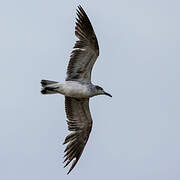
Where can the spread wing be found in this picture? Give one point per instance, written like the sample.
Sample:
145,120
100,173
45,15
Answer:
80,123
85,52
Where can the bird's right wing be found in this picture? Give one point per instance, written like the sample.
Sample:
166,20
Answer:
85,52
80,123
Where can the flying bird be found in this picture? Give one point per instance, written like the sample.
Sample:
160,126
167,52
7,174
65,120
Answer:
78,88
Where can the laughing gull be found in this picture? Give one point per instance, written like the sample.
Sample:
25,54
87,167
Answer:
78,88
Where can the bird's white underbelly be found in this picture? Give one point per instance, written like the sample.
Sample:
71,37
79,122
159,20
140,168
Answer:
74,89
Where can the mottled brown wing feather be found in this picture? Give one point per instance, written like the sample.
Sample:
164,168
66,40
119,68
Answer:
80,123
85,52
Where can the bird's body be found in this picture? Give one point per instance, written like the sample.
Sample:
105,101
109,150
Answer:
72,89
78,88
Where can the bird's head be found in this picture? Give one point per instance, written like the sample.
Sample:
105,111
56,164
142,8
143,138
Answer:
100,90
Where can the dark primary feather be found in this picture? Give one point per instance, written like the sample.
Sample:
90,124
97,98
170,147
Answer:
86,50
80,123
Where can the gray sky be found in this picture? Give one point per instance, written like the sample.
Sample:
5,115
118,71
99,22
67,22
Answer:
135,134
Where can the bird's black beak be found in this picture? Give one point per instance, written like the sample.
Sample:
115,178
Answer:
105,93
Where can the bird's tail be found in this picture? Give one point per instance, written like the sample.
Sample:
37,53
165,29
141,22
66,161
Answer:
49,87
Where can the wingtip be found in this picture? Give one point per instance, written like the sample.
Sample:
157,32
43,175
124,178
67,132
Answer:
80,9
69,171
79,6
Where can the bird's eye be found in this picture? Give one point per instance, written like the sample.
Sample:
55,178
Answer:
99,88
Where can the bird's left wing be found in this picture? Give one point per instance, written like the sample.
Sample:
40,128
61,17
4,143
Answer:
80,123
86,50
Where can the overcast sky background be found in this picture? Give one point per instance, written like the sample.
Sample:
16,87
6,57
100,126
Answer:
135,134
